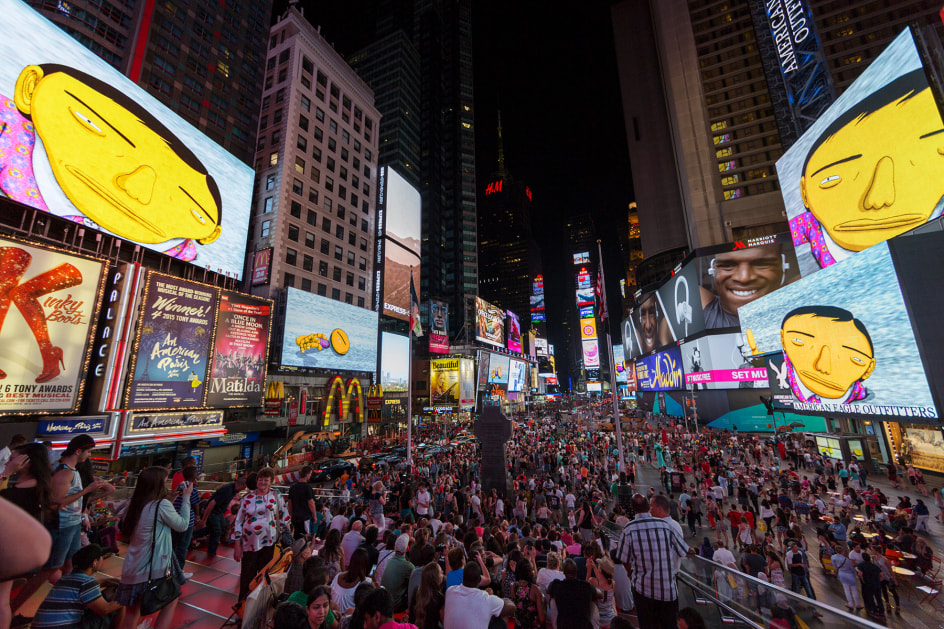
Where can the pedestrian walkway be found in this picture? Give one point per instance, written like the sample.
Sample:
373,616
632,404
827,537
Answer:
828,589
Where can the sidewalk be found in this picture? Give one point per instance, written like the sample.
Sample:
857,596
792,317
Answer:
828,589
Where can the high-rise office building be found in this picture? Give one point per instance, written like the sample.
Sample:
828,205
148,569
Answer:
700,118
204,60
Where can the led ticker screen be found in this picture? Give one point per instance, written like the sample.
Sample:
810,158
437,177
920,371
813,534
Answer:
845,340
489,323
721,361
860,173
99,150
401,217
328,334
513,332
582,258
662,371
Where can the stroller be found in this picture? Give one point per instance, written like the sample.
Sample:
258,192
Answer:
265,592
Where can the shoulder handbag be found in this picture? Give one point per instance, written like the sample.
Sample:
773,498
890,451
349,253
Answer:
286,539
158,593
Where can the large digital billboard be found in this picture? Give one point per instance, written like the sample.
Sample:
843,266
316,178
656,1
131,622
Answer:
498,367
466,383
438,326
517,375
845,340
401,217
661,372
588,328
585,296
868,168
240,351
513,332
721,361
591,353
44,344
171,364
489,323
394,362
444,382
620,363
93,147
582,257
328,334
540,347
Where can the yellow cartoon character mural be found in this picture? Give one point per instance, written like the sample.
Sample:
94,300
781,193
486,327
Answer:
120,167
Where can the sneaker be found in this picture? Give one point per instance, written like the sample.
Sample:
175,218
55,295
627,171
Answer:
188,576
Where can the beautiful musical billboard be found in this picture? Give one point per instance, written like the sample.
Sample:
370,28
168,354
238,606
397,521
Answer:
721,361
328,334
444,382
489,323
438,326
867,169
401,221
240,351
49,304
513,331
170,366
662,371
93,147
394,361
845,341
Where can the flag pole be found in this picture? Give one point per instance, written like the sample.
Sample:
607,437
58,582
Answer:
617,420
409,399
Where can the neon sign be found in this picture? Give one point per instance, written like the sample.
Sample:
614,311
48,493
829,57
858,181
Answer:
495,186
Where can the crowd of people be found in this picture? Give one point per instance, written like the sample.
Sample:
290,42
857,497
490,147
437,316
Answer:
566,542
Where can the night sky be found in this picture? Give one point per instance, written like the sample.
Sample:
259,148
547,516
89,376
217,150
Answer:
551,70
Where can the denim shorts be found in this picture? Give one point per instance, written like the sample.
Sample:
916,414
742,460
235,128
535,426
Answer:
65,543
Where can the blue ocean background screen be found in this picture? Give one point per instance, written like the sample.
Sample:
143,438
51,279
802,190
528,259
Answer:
307,314
866,285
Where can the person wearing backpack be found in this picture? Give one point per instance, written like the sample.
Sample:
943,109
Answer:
799,567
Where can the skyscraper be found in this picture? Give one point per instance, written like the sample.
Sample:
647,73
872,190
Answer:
204,60
700,117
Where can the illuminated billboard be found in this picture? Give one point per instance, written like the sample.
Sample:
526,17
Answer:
240,351
620,364
594,387
582,258
517,375
842,342
401,243
466,383
489,323
513,332
170,367
662,371
44,353
585,296
583,279
860,174
721,361
394,362
444,382
328,334
540,347
499,366
588,328
438,326
591,354
95,148
537,302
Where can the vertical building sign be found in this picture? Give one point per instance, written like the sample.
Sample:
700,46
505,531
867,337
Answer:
798,76
239,351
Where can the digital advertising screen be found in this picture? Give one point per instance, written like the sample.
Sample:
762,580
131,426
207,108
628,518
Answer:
438,326
240,351
644,330
583,279
50,306
860,173
111,157
662,371
845,341
594,387
588,328
170,367
518,371
620,363
466,383
721,361
585,296
582,258
328,334
499,366
401,216
591,353
394,362
444,382
489,323
540,346
513,331
679,299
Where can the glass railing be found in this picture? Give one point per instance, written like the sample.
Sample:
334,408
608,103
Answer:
725,596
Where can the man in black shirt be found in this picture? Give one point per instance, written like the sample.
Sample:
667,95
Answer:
301,502
213,514
753,562
574,599
871,576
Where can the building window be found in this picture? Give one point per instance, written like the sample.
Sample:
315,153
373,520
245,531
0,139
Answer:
293,233
267,205
336,294
309,240
361,283
326,224
308,263
313,195
329,184
363,244
302,144
360,302
350,258
349,279
297,187
291,256
312,218
270,182
299,165
338,253
362,263
302,122
336,274
364,225
266,226
348,298
333,125
296,210
277,116
319,114
325,246
274,158
306,284
351,238
306,104
339,232
289,280
323,268
322,290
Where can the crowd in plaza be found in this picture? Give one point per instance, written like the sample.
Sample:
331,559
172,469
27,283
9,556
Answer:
571,543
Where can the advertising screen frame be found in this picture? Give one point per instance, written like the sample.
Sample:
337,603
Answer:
444,385
487,313
438,326
721,361
394,351
402,219
513,331
591,353
662,371
251,324
517,375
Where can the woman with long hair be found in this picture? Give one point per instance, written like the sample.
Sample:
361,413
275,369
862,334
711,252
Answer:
150,518
601,577
345,583
429,602
332,553
526,595
31,492
319,608
256,528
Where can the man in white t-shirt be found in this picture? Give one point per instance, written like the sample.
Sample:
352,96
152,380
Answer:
723,555
570,499
422,501
468,607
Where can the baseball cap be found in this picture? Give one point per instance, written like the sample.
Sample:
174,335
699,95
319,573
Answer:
403,542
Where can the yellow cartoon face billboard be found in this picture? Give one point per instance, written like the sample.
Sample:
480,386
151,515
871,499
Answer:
864,172
85,143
